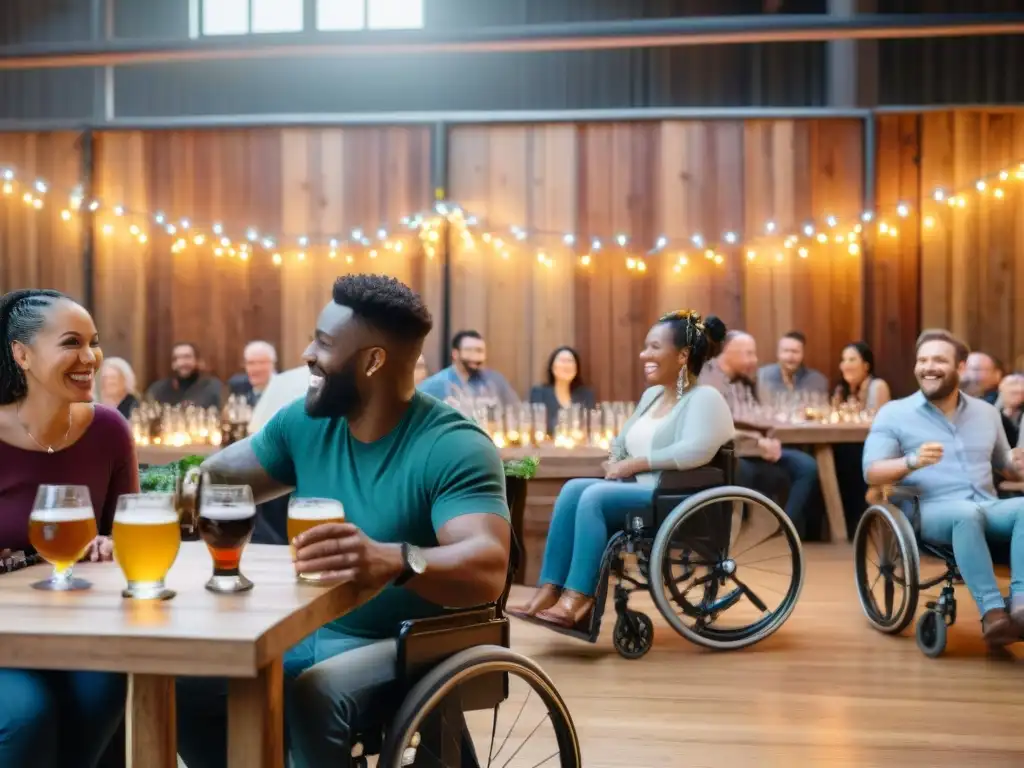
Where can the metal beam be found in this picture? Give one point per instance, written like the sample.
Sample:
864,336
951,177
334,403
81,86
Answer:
439,180
88,219
469,117
586,36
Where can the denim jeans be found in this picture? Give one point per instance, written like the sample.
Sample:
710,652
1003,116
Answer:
802,472
334,685
587,512
52,718
966,525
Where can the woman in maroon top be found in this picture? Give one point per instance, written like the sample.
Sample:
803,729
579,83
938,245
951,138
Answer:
51,433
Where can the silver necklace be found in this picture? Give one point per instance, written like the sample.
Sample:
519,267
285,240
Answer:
47,448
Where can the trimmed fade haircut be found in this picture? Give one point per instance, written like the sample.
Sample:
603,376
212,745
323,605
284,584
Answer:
386,304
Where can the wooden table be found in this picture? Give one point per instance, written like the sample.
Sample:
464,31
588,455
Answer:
241,637
821,438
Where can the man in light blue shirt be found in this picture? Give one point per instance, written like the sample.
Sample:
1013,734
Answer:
944,445
467,378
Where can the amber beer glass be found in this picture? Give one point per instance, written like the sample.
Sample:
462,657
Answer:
304,514
61,526
147,536
227,518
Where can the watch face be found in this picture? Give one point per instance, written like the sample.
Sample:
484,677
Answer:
416,561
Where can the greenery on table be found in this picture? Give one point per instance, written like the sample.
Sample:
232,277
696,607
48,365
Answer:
163,478
524,468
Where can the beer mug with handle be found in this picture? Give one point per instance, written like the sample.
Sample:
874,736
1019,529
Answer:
227,518
147,536
307,513
60,528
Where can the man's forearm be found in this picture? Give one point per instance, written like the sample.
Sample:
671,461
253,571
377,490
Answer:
460,575
887,471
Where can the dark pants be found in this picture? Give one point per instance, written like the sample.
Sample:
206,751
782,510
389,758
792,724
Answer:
800,472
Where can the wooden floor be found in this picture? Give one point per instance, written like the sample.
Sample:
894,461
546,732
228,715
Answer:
826,690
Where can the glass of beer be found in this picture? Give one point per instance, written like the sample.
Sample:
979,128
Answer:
147,536
307,513
60,528
227,518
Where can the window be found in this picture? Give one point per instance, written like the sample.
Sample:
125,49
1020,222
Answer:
337,15
242,17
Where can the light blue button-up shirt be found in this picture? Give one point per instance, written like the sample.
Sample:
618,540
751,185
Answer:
973,442
485,384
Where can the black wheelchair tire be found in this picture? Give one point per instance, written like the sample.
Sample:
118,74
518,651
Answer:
629,643
931,634
736,639
481,660
897,522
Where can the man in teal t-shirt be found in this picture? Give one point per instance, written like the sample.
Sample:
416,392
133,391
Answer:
426,520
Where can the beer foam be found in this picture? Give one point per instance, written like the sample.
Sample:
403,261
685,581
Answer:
224,513
63,515
146,516
316,512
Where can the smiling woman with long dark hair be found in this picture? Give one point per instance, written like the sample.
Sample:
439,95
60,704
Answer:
52,433
564,386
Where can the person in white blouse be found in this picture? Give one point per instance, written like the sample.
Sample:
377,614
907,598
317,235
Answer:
677,425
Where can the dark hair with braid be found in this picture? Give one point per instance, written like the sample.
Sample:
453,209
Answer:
702,337
22,316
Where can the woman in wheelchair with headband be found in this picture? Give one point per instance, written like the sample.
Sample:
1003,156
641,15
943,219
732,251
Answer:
677,425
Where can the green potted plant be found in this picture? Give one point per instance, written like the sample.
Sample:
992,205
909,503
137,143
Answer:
518,472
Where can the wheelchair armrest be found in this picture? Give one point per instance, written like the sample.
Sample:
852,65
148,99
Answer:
673,482
425,643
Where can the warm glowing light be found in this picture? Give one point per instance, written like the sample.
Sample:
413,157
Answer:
108,229
276,259
585,260
929,222
998,192
751,255
803,252
66,215
853,249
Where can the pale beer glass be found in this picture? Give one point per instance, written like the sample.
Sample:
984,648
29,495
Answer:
147,536
227,519
307,513
60,528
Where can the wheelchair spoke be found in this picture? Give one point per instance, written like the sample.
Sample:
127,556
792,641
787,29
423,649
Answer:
511,728
751,596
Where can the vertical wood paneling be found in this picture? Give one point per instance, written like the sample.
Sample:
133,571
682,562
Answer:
290,183
971,275
37,248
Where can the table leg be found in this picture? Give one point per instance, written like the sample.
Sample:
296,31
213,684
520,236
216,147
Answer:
151,730
826,460
256,719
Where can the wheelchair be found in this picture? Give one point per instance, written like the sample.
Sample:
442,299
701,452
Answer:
894,537
461,663
686,537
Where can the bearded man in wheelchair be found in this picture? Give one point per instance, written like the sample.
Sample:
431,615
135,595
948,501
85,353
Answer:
943,447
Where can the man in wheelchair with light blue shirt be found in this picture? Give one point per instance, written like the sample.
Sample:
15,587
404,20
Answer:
943,446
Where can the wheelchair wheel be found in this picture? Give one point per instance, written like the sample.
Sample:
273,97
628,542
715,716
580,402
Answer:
931,634
634,634
485,693
886,562
726,568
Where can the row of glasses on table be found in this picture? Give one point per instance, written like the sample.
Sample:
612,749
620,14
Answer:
805,408
147,535
180,425
526,424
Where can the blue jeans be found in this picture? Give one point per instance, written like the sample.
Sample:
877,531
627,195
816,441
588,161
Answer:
52,718
965,525
334,686
587,512
802,472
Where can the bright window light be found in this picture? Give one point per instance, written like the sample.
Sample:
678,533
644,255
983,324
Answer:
395,14
225,17
277,15
338,15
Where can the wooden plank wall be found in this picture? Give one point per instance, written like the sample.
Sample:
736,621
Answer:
291,183
37,247
672,179
955,268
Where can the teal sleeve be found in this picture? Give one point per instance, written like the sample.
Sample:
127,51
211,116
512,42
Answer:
273,444
467,477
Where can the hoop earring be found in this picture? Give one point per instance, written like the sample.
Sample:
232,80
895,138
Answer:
681,382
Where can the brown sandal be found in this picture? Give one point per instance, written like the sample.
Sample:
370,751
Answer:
571,611
543,598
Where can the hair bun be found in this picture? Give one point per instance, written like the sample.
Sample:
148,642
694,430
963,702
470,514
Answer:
715,328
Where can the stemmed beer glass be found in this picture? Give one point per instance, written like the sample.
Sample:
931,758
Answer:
61,526
227,519
147,536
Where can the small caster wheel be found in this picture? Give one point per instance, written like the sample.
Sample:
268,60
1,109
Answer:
931,634
634,634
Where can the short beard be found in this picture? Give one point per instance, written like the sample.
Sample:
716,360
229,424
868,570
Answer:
948,387
339,396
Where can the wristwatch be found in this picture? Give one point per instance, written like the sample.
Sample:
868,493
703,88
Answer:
414,564
912,461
